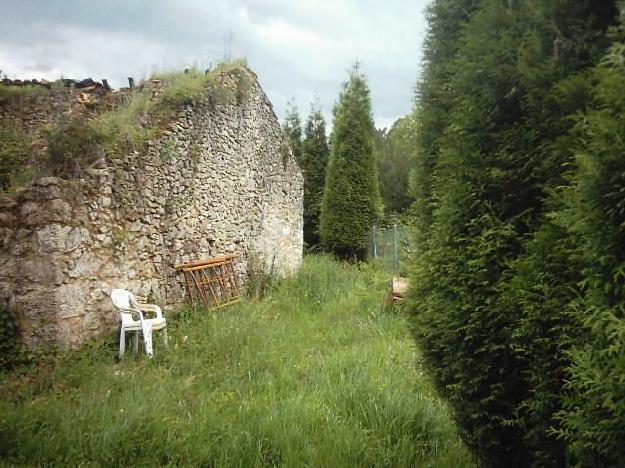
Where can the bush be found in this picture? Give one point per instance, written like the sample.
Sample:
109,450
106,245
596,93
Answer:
77,143
72,147
9,92
260,281
15,153
12,352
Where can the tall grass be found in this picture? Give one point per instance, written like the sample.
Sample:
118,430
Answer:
130,127
317,373
9,92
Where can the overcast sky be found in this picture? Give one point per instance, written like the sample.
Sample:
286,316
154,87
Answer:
298,48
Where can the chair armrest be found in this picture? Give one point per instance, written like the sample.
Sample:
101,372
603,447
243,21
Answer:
151,308
134,312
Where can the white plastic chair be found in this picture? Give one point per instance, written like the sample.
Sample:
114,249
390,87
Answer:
128,307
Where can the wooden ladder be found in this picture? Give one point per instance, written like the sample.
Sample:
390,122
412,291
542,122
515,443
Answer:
212,281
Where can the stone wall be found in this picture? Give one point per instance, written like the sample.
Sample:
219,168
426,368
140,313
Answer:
43,106
214,182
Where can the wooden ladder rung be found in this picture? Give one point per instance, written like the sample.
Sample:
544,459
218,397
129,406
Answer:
214,281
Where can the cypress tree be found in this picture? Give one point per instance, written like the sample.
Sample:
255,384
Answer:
351,200
315,152
434,98
593,417
494,274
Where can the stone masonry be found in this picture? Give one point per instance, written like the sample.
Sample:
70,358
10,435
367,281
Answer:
214,182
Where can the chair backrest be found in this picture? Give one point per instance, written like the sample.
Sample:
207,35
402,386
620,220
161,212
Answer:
123,300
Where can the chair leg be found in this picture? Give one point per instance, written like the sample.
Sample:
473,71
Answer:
135,344
165,340
122,343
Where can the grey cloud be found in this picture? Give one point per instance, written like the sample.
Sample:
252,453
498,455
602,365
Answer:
298,48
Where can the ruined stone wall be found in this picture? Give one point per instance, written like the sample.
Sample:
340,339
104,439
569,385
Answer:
214,182
43,106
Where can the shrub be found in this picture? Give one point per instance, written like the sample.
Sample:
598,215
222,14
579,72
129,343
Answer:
260,281
15,152
12,351
9,92
496,297
72,147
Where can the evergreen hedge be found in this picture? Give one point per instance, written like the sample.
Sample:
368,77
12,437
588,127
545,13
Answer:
518,183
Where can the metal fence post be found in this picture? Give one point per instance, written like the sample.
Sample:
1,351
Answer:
375,246
395,253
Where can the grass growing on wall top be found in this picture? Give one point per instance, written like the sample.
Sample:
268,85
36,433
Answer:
318,373
9,92
78,142
130,127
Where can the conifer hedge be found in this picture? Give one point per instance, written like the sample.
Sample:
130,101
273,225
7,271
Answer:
518,280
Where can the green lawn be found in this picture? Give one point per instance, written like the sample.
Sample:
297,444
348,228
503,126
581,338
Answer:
318,373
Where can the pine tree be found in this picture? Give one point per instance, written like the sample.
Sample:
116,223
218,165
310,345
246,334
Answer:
351,200
315,152
292,129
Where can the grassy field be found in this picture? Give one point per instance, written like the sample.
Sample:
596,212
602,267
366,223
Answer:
318,373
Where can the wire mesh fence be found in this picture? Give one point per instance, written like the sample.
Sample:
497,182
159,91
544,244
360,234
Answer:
391,246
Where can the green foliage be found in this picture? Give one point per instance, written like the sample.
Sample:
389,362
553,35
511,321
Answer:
167,150
292,130
127,128
497,297
15,151
351,199
316,374
10,92
260,281
315,152
12,352
593,420
394,154
538,296
228,84
434,101
77,143
73,146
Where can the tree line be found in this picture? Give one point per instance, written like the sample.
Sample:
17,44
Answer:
356,177
341,187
